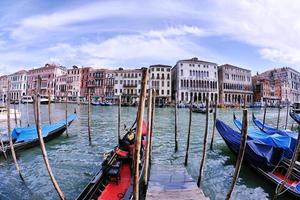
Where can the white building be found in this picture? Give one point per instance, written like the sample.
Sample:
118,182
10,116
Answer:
160,79
194,80
3,88
18,84
128,84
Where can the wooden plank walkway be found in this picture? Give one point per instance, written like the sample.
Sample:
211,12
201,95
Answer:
172,182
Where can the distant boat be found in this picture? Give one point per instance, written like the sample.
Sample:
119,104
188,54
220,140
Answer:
3,113
106,103
24,138
295,117
95,103
26,99
296,107
181,105
266,159
201,109
44,100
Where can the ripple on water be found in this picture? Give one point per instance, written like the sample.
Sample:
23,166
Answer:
74,161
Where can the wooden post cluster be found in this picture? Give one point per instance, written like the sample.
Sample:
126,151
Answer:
12,149
240,154
138,135
89,116
49,107
15,113
147,161
214,126
37,112
188,137
176,121
204,144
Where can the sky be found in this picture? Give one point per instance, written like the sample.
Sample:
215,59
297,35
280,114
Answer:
254,34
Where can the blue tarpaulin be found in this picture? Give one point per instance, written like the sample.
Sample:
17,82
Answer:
286,142
30,133
257,153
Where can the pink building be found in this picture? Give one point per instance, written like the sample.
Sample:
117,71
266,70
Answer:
48,73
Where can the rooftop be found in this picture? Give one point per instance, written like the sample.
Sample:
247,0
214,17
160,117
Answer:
196,60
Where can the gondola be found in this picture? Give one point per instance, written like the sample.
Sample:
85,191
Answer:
201,110
267,160
114,180
271,130
295,116
25,138
276,140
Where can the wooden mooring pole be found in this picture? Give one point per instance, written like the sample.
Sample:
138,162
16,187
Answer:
290,169
42,143
278,116
152,121
287,116
49,107
265,112
12,149
138,135
176,120
188,137
15,114
204,144
214,126
19,108
147,161
241,153
66,112
89,116
119,119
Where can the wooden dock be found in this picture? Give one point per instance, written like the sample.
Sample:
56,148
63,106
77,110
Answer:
172,182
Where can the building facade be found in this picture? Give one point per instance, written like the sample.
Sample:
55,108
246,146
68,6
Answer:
3,88
73,83
18,85
160,80
195,80
127,82
86,76
48,74
235,85
280,85
60,88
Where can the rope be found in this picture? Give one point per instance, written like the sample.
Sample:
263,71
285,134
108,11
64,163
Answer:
286,188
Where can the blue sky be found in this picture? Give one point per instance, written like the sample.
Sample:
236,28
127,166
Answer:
254,34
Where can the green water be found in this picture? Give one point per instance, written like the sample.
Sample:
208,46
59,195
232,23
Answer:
74,161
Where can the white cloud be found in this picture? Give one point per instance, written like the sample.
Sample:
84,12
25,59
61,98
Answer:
270,25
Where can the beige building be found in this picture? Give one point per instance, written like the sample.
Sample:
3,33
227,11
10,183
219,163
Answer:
18,84
235,85
73,83
160,80
195,80
3,88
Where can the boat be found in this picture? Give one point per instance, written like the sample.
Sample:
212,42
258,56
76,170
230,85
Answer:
106,103
296,107
95,103
197,109
25,138
265,159
26,99
13,114
181,105
44,100
295,116
271,130
286,142
114,179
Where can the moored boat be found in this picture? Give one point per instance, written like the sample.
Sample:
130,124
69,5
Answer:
24,138
272,130
267,160
13,113
295,116
200,109
114,180
26,99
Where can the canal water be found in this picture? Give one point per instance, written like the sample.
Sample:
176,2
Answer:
74,161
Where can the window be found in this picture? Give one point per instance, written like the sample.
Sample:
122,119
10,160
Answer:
162,92
181,72
168,83
168,76
168,92
162,83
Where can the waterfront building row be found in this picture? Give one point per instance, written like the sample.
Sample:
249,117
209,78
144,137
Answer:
190,79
